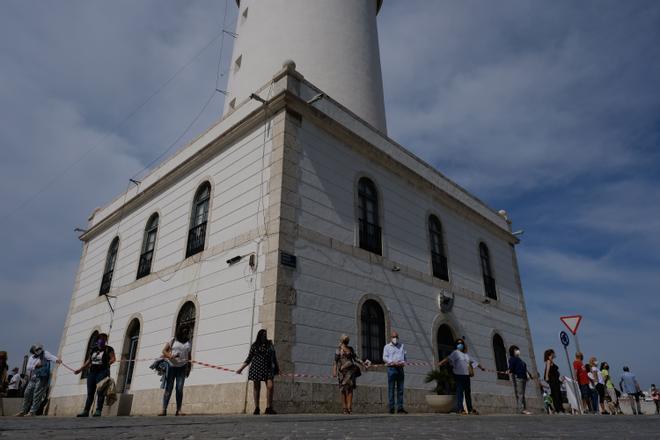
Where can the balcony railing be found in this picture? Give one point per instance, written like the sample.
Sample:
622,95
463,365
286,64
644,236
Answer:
440,269
144,268
489,286
370,237
196,238
105,283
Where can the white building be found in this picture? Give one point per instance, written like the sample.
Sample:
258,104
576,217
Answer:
377,235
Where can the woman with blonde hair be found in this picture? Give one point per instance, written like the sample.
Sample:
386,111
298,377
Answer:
346,368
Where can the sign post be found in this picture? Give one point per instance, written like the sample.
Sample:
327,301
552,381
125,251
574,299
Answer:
572,323
565,341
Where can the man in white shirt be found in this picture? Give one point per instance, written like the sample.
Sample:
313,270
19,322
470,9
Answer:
14,383
38,376
394,355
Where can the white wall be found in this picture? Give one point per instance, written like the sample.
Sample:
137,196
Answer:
330,283
224,294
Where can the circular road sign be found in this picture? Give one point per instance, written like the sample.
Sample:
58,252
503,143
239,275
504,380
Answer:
563,337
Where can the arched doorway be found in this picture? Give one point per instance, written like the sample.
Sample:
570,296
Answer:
445,341
128,356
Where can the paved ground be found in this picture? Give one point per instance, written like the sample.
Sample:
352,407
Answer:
379,427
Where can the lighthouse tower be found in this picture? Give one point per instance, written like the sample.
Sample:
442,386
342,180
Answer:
334,44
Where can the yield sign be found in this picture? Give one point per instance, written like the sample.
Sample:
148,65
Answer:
572,322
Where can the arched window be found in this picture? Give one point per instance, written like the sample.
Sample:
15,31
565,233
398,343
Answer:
128,356
368,217
438,257
499,351
148,245
200,214
88,352
445,340
372,320
187,317
110,261
486,271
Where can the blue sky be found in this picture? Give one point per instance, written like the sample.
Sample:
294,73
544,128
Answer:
550,110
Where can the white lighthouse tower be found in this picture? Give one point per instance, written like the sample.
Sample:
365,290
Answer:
334,44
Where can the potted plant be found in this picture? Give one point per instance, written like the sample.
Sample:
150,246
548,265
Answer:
444,399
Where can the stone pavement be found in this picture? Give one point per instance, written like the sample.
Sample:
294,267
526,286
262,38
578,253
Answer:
381,427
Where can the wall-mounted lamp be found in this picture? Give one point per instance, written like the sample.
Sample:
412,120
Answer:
234,260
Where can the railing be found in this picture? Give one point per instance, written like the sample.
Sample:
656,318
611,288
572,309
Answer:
489,286
440,269
144,268
370,237
105,283
196,238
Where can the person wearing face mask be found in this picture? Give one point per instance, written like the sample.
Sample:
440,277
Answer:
177,353
394,355
346,368
262,360
99,361
519,376
463,368
38,376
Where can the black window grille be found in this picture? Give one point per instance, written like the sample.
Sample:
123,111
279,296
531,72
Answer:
373,331
445,341
438,257
187,317
200,213
500,357
148,246
370,234
489,280
110,261
129,354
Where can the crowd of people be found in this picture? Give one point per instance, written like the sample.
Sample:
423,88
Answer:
593,389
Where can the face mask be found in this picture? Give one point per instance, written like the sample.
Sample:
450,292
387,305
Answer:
516,353
460,346
101,343
395,341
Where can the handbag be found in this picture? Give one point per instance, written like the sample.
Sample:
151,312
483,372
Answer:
470,370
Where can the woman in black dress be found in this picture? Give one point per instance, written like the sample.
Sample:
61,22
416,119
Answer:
551,376
263,367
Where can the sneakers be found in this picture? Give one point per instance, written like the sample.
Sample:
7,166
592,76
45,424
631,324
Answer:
97,413
83,414
256,412
527,413
19,414
402,411
162,413
270,410
180,414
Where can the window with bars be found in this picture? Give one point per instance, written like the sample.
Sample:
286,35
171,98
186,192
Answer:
148,246
499,352
438,257
372,320
187,317
128,356
109,269
486,271
199,217
370,235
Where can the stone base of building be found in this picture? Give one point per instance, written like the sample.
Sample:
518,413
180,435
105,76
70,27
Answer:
289,397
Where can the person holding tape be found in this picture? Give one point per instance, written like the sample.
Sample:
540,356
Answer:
394,355
346,368
519,375
99,361
263,368
463,368
177,353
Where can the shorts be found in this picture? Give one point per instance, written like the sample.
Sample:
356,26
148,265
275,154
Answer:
585,391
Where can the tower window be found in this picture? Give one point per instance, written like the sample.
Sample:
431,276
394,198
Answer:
245,14
148,245
486,271
370,238
372,320
199,217
110,261
438,257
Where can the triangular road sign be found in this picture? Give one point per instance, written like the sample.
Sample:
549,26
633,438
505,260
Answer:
572,322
